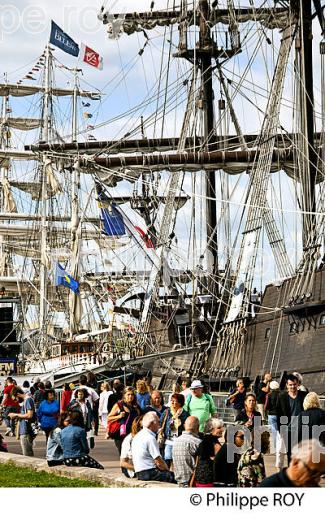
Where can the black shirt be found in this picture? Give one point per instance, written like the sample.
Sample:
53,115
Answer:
277,480
242,418
113,399
239,401
307,420
261,396
224,471
273,402
205,453
295,406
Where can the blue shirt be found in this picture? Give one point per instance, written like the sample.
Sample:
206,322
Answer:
27,405
153,409
48,413
143,400
74,442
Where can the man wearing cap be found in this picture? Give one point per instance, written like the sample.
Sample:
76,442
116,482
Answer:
199,404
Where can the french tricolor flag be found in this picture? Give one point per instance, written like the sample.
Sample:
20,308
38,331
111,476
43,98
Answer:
91,57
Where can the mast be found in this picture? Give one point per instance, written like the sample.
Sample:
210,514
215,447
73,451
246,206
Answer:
44,261
73,298
307,118
47,96
205,53
74,105
3,175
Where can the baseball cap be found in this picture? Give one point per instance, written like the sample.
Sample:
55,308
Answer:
196,384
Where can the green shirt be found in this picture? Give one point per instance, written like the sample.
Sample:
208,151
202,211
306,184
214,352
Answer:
202,407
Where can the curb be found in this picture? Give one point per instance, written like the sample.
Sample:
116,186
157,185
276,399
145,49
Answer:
104,477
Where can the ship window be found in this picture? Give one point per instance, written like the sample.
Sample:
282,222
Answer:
267,333
322,320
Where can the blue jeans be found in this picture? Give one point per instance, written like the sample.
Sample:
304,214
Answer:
274,428
10,423
155,474
278,443
168,454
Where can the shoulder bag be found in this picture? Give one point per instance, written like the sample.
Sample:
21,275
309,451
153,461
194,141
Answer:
161,435
192,479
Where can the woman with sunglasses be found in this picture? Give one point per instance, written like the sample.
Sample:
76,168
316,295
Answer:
227,459
123,413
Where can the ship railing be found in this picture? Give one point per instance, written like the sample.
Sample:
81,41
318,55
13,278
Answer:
72,359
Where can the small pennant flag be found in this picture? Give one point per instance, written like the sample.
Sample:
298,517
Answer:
91,57
86,105
87,115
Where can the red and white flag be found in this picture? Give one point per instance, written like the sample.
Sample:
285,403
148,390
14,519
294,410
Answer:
91,57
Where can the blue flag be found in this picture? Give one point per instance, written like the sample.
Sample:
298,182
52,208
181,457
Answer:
63,41
113,222
63,278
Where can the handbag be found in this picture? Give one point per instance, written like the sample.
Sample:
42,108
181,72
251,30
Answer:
116,430
161,434
113,429
123,427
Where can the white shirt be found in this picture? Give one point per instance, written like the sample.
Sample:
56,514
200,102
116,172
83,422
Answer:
126,449
103,400
92,395
186,392
145,450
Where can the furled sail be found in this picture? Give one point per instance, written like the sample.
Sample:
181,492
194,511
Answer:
130,23
29,90
8,199
22,123
51,177
7,154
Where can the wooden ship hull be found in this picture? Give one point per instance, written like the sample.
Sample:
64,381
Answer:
290,338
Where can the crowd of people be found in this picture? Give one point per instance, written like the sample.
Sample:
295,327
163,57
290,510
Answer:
184,441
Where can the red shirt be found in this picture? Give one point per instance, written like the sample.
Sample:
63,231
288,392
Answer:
9,401
65,400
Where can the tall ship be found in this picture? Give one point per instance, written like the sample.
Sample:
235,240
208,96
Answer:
190,239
